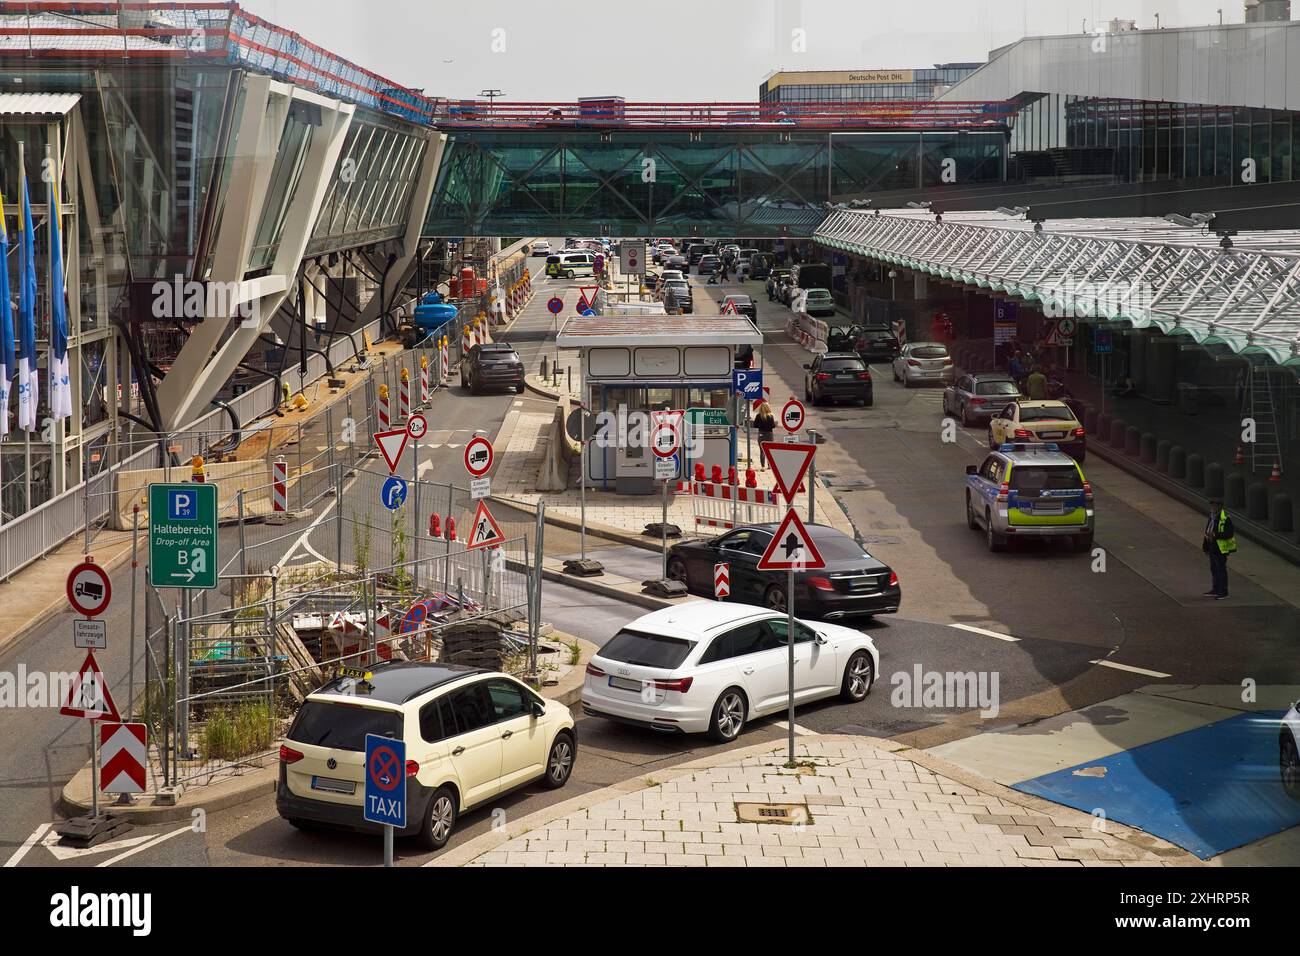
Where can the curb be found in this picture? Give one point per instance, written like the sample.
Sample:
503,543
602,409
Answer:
485,843
595,586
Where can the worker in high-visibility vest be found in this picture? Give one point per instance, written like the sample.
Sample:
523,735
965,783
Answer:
1220,541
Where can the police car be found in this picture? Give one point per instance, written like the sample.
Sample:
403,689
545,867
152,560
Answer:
1289,756
1029,490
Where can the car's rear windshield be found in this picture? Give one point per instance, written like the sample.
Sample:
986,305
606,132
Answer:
839,547
1035,478
997,388
739,299
1046,413
649,650
498,355
843,365
930,352
818,294
342,726
880,336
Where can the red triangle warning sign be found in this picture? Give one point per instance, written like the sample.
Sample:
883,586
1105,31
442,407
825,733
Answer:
484,532
88,694
391,445
791,548
790,463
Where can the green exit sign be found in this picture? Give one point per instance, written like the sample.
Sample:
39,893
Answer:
183,535
708,416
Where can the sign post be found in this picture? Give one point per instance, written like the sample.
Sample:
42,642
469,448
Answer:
416,428
183,535
579,427
665,439
385,795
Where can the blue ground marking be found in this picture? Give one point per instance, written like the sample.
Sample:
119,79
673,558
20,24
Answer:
1207,790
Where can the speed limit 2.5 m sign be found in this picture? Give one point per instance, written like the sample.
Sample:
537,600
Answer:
792,415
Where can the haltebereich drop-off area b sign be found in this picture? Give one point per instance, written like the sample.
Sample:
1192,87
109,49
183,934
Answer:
183,535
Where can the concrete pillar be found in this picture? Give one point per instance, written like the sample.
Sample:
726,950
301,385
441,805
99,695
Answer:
1214,480
1195,471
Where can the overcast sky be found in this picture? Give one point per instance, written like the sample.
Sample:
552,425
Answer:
681,51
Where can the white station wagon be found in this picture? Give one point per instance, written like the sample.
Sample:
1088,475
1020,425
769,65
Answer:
708,666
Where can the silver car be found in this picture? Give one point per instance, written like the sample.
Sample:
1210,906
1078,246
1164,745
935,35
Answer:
975,396
920,362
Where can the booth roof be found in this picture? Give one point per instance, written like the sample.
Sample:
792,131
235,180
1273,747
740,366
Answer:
593,331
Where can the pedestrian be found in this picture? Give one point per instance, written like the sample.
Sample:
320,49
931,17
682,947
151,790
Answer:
1220,541
1036,384
1014,366
670,301
765,423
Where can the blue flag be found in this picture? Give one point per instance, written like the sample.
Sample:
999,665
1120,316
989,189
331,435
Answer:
8,360
60,382
28,376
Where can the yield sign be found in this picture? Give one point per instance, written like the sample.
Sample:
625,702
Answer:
791,548
391,445
485,532
790,463
88,694
122,755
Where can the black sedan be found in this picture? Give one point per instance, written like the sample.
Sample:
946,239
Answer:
834,375
742,304
853,583
494,365
877,345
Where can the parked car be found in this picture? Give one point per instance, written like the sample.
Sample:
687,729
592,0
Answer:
975,396
1027,420
815,302
775,279
742,304
471,735
920,362
853,584
541,247
708,265
494,365
678,261
1289,750
837,375
681,290
878,344
1029,490
709,667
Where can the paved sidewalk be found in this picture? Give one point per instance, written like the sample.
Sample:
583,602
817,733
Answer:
853,801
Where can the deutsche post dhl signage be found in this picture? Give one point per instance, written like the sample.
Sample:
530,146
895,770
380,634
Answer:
838,77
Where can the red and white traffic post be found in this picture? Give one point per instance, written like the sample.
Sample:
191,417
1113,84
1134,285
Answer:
382,412
279,486
424,380
404,396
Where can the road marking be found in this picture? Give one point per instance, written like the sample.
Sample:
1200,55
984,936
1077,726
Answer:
316,523
799,731
145,846
986,633
23,850
1130,668
63,853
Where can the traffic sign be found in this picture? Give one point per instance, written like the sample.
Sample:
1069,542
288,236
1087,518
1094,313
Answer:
580,424
480,487
1060,333
791,548
478,456
123,755
385,781
183,535
665,440
392,445
89,589
416,426
1103,341
666,468
555,304
90,634
414,618
88,694
393,493
721,580
792,415
485,532
747,383
789,463
632,257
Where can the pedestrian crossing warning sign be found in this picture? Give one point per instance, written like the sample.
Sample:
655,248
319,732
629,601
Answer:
485,532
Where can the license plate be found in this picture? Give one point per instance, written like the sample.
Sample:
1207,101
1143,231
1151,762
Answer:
624,683
332,785
1051,508
1051,434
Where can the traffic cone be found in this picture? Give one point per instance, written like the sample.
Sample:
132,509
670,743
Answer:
1239,458
716,475
699,471
751,478
1277,471
731,475
435,526
451,528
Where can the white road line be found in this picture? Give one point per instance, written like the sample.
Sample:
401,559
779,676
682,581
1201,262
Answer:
315,523
798,730
1130,668
145,846
31,841
63,853
980,630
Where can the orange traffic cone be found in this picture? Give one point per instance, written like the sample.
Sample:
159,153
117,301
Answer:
1277,471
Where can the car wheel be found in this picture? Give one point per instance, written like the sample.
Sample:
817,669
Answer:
306,826
519,389
994,541
439,819
965,417
970,515
559,762
774,597
1083,543
807,395
677,570
992,444
858,677
728,715
1289,765
474,387
1080,457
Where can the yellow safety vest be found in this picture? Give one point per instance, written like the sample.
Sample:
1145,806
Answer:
1226,545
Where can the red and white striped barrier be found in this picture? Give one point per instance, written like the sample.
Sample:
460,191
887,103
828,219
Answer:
279,486
466,339
382,411
424,380
725,492
404,396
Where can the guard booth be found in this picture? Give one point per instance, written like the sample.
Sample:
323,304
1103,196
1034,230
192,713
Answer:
631,366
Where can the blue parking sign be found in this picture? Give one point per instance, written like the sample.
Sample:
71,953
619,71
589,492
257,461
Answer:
182,504
385,797
747,383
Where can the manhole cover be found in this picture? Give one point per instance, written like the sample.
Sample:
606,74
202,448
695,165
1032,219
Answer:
787,813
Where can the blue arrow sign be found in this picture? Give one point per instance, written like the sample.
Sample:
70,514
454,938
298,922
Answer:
385,797
393,494
747,383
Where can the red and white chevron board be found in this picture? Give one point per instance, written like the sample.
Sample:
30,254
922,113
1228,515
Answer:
123,756
721,580
756,496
